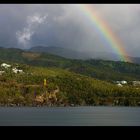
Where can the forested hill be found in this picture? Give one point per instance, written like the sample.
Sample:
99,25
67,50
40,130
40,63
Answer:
68,81
63,88
100,69
75,54
67,53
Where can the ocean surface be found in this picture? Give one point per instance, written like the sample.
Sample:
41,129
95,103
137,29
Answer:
69,116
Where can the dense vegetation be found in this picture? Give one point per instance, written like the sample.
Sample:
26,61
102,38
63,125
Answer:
100,69
69,81
63,88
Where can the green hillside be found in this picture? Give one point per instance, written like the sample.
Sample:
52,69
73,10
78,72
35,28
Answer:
69,81
100,69
63,88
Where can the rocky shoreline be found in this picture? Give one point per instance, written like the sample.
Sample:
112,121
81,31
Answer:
61,105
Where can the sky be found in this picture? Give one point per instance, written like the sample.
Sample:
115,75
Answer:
64,25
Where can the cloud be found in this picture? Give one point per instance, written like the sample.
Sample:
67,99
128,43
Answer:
66,26
24,36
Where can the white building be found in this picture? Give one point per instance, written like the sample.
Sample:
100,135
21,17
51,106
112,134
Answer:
119,85
15,70
121,82
136,83
124,82
5,65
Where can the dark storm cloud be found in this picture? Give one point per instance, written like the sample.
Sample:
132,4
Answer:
62,25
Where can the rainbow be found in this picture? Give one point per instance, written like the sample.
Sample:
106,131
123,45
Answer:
105,31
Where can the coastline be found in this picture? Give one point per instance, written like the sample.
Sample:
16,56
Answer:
65,106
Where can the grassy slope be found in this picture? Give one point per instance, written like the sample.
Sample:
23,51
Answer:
76,80
73,88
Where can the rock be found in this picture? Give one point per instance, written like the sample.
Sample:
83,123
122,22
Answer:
72,105
39,99
1,72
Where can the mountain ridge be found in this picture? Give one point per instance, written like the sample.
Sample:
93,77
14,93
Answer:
72,54
100,69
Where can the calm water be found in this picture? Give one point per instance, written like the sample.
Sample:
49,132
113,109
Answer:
70,116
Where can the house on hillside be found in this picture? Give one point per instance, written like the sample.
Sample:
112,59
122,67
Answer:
123,82
136,83
119,85
5,65
15,70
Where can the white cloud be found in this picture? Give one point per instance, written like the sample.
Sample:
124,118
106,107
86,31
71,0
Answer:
24,36
37,18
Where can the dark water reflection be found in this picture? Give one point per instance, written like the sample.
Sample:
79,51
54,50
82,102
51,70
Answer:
70,116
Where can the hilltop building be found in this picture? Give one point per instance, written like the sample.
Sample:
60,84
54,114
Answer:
5,65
